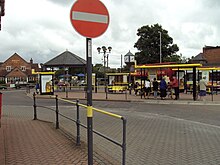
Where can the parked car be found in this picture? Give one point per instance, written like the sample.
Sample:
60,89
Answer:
3,87
82,83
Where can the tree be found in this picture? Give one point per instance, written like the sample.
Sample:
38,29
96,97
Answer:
149,44
176,58
98,70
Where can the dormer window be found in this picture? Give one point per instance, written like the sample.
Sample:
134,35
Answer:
8,68
23,68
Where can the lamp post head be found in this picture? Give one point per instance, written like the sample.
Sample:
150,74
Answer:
104,49
99,49
109,49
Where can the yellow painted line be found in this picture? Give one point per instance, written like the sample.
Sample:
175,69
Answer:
89,111
107,113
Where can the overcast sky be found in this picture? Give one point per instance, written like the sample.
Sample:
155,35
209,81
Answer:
41,29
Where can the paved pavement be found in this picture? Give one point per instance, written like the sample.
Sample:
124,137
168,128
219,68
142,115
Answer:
184,98
26,141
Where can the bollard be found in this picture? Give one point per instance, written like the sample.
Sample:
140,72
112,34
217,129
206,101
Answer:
35,107
57,114
0,108
77,124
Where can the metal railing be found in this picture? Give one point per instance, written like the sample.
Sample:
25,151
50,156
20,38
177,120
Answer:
97,89
79,124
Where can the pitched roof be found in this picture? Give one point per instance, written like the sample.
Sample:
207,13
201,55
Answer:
15,55
66,59
199,57
16,72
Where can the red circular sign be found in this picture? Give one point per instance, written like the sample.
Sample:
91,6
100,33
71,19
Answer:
90,18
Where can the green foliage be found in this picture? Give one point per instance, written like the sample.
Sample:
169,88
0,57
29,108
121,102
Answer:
2,82
59,72
74,71
98,69
148,44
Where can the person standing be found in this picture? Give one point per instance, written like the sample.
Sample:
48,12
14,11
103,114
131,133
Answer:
136,86
202,88
175,86
163,89
37,87
147,89
155,88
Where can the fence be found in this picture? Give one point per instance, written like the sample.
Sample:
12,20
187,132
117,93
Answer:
79,124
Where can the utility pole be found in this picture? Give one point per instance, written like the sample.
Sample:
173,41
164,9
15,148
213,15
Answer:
2,10
160,48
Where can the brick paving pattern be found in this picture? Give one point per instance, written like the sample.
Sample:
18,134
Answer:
155,139
26,141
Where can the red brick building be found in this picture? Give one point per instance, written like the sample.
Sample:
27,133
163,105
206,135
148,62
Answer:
212,55
209,57
16,70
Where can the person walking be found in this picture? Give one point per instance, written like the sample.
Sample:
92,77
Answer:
155,88
163,89
202,88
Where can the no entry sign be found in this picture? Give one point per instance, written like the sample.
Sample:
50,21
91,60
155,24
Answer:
90,18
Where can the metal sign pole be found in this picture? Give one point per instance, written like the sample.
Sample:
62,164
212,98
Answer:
89,100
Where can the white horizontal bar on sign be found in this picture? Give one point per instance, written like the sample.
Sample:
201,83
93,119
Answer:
82,16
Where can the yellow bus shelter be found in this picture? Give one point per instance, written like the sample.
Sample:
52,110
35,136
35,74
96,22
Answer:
177,67
205,71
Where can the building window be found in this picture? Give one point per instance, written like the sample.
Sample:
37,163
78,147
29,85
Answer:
8,68
23,68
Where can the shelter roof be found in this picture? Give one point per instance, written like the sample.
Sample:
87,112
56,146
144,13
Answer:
168,66
66,59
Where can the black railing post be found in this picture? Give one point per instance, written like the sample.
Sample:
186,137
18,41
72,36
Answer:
57,114
124,142
212,90
35,107
194,84
77,123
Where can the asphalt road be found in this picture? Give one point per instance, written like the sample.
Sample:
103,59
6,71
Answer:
156,134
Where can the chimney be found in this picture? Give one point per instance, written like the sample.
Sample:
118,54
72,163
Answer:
31,61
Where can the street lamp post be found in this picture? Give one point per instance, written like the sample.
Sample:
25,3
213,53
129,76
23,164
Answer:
105,52
2,10
160,48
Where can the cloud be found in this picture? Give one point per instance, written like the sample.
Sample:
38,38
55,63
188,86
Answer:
41,29
62,2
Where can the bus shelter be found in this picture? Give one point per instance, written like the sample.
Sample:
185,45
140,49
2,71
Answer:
118,82
212,75
46,83
170,67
